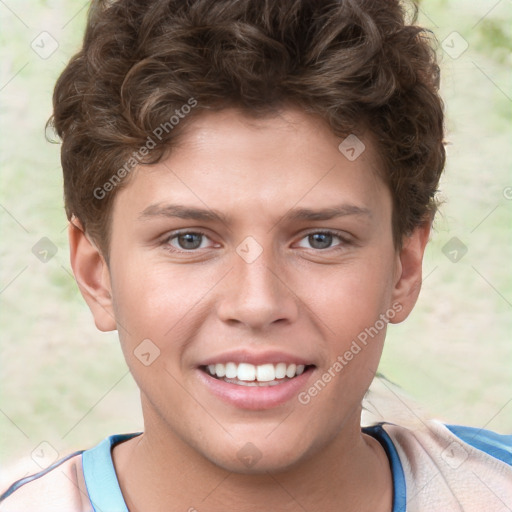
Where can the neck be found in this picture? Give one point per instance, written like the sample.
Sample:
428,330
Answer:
157,471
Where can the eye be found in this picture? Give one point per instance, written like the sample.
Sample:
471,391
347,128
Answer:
323,239
186,241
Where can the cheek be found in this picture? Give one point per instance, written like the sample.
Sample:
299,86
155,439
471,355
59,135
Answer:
349,306
151,302
350,314
352,298
151,297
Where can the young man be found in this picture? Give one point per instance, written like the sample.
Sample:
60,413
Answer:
250,187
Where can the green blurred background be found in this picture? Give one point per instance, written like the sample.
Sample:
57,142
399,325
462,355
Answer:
66,384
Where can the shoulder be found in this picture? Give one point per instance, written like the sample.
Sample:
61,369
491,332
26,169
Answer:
496,445
454,444
71,484
59,487
450,467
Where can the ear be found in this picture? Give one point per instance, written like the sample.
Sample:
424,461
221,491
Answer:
408,274
92,276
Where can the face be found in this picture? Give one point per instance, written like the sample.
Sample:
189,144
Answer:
251,276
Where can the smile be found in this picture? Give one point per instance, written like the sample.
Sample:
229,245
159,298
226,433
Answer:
255,381
246,374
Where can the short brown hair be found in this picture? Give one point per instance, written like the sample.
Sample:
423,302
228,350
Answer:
357,63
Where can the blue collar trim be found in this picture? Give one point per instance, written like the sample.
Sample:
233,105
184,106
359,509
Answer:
100,475
397,471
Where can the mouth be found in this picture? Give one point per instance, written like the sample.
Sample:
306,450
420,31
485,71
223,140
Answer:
263,375
255,387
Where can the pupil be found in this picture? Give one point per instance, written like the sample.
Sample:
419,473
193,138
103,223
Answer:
324,239
187,241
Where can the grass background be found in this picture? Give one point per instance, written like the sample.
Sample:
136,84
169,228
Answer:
65,383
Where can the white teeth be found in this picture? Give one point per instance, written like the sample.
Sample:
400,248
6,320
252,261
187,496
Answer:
220,370
265,373
231,371
261,373
280,371
290,371
245,372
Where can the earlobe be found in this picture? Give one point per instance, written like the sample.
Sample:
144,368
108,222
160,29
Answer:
409,271
92,276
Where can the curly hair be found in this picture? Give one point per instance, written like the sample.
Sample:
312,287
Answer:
144,64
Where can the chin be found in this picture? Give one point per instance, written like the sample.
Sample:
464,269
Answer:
260,453
248,460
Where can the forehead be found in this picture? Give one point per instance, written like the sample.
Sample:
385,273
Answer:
230,162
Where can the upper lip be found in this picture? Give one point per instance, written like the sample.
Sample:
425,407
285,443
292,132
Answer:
255,358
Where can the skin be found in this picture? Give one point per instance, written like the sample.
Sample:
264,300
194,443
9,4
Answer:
297,296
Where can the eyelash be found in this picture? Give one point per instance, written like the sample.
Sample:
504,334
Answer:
176,234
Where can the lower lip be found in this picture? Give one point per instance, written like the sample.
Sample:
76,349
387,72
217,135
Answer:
256,397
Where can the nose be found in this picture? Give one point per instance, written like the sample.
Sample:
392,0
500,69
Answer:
256,293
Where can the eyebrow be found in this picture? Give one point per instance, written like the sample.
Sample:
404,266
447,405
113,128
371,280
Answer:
199,214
